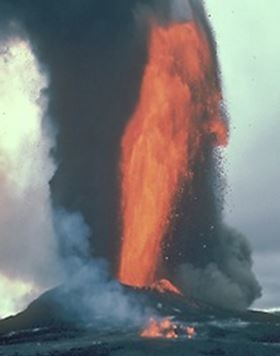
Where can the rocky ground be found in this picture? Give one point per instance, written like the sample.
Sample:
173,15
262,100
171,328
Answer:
44,329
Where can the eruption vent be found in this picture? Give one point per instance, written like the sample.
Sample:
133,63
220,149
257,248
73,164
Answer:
178,107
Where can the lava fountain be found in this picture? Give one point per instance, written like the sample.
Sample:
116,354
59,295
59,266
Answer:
179,105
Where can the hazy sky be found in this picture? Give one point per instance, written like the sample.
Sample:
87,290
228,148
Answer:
248,37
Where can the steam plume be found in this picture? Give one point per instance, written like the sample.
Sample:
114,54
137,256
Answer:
28,255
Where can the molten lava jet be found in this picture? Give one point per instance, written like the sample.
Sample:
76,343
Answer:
178,108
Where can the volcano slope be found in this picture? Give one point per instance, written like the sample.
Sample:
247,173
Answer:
52,325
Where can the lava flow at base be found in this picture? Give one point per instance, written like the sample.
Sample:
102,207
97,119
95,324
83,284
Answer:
166,329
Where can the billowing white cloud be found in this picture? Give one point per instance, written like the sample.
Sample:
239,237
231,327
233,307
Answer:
14,295
27,242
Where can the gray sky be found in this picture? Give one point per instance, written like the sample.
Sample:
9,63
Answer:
248,37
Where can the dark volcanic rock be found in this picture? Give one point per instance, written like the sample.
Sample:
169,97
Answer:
55,309
52,326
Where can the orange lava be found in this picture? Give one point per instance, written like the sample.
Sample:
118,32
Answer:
164,285
166,329
160,329
178,108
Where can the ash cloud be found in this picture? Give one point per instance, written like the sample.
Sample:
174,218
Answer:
94,54
181,10
230,282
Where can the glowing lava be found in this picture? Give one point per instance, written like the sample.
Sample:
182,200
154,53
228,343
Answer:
178,108
165,286
166,329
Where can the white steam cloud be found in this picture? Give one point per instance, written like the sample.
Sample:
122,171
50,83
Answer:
28,251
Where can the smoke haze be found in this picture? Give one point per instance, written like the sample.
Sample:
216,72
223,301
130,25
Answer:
231,282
